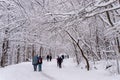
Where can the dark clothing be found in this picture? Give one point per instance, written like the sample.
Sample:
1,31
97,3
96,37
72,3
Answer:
35,67
40,60
40,63
59,62
40,67
48,57
62,56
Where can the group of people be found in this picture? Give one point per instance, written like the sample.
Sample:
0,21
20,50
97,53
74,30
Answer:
59,60
37,61
49,57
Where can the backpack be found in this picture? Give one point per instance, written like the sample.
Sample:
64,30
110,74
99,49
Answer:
40,60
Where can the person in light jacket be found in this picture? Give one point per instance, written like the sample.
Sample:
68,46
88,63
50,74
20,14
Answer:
35,62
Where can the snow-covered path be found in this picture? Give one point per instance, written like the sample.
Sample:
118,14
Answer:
24,71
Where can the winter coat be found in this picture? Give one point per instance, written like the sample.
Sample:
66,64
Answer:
40,60
59,60
35,60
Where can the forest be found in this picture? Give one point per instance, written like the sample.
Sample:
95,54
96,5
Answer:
88,30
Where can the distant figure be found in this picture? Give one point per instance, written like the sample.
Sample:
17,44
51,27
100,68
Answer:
59,62
62,56
67,56
35,62
40,63
48,57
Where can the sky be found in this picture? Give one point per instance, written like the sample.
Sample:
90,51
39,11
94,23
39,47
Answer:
50,71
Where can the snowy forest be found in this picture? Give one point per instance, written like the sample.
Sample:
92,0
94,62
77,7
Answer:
88,30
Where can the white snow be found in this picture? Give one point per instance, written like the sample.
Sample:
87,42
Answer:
50,71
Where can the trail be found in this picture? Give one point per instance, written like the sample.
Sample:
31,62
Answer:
50,71
23,71
48,76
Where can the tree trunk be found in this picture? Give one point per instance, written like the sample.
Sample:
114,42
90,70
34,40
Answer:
76,55
18,54
88,66
77,43
41,48
118,44
4,53
33,51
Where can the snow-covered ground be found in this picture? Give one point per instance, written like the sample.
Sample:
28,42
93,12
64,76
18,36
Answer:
69,71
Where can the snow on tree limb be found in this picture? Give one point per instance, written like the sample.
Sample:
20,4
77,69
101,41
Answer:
102,11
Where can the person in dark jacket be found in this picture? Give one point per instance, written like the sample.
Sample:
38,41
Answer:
62,56
59,62
47,57
35,62
50,57
40,63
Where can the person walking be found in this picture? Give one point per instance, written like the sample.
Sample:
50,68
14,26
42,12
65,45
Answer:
59,62
40,63
62,56
50,57
47,57
35,62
